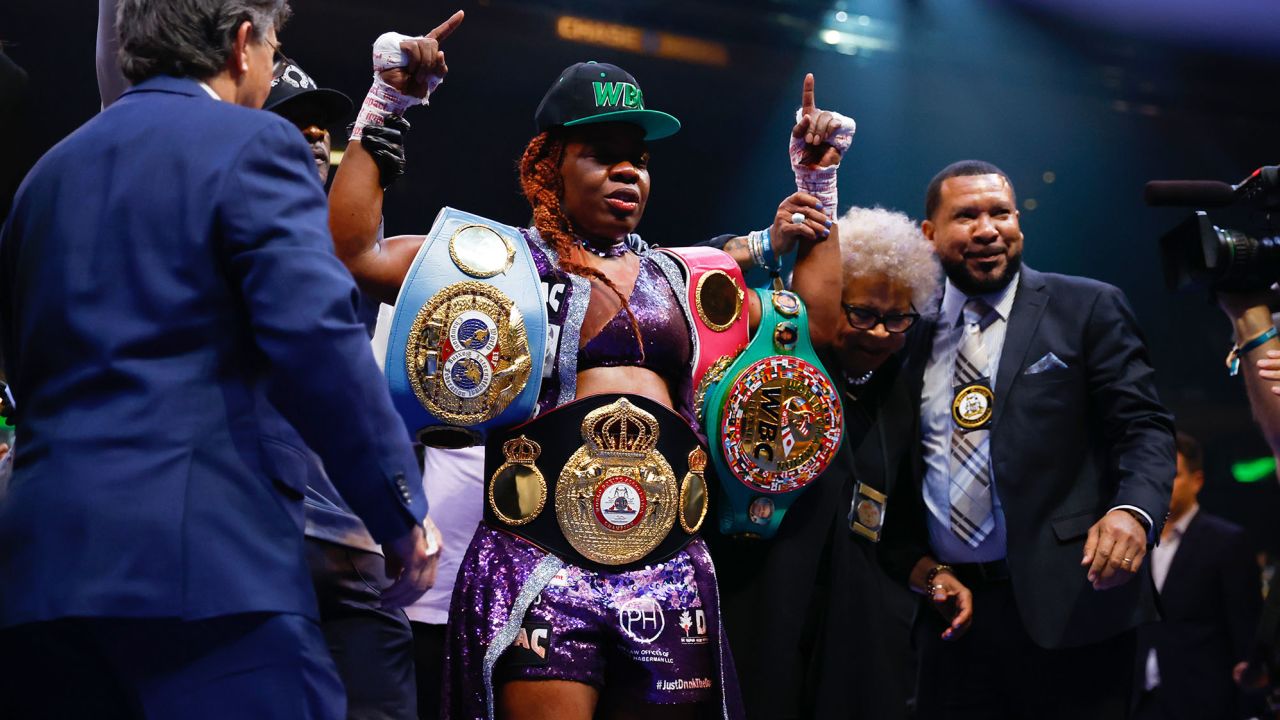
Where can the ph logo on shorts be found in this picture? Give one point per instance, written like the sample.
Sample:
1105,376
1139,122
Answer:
641,619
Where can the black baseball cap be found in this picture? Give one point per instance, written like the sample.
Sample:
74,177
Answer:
592,92
296,96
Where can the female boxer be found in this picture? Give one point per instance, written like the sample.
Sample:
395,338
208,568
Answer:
535,633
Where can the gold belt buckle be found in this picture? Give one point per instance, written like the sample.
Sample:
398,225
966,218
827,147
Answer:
616,498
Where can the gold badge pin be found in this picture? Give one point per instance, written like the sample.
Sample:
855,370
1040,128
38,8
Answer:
868,512
786,302
972,407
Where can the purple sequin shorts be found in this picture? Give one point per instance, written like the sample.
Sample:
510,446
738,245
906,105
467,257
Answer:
644,633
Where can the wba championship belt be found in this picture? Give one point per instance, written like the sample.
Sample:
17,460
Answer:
717,294
609,482
468,339
773,417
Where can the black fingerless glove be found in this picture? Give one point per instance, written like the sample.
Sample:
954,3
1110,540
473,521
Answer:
385,144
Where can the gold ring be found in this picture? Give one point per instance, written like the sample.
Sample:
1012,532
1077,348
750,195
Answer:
1126,561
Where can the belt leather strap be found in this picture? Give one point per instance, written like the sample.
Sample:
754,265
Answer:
717,302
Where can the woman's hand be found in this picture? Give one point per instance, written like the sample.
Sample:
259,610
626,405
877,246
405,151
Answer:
426,65
786,234
815,127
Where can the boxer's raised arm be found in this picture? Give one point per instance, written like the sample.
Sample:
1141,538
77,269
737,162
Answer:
406,71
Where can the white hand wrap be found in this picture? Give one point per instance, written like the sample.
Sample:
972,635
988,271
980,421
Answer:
821,182
382,99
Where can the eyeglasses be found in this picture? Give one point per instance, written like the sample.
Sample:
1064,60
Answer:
861,318
282,61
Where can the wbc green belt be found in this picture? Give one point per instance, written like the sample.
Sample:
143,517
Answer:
773,419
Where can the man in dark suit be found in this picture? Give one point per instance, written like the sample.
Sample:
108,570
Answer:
1046,461
1210,595
163,267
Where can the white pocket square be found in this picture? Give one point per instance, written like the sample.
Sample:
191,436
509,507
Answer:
1048,362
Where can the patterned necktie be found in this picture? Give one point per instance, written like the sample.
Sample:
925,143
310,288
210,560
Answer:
970,490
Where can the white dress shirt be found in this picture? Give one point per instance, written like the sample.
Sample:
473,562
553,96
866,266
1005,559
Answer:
1162,554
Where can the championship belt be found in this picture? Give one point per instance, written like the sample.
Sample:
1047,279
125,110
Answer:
773,418
609,482
717,294
468,339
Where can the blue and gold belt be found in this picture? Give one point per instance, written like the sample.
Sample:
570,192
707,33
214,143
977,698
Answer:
468,339
773,419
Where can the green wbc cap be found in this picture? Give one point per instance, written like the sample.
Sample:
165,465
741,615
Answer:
592,92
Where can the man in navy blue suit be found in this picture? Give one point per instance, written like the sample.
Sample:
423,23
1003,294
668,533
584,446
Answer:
172,320
1211,597
1045,466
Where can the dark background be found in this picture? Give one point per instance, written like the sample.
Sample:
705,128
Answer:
1102,95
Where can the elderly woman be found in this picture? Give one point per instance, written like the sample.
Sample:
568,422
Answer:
816,628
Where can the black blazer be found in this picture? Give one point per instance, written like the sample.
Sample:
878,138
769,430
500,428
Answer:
1211,600
1067,444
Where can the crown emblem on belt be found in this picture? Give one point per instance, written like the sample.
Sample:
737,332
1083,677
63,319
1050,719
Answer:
697,460
521,450
620,430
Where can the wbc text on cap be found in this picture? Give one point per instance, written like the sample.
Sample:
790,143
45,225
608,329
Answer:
590,92
610,94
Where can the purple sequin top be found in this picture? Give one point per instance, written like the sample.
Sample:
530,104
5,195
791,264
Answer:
657,302
666,337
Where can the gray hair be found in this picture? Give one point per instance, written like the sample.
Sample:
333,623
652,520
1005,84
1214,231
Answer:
875,242
188,38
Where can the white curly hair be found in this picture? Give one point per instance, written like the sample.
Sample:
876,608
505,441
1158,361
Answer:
879,242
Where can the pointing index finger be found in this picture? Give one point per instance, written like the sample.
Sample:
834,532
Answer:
446,28
806,96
